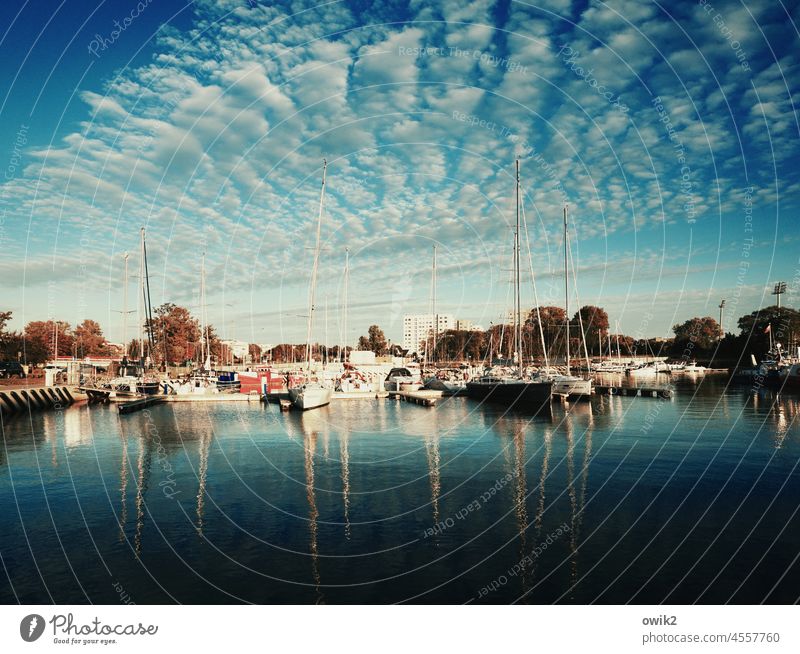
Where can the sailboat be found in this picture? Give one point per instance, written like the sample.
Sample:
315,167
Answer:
568,384
134,379
514,390
312,394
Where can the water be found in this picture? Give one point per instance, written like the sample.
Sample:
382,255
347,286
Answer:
620,499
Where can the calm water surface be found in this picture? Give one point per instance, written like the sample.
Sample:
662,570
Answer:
620,499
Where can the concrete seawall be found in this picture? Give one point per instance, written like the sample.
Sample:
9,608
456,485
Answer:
39,398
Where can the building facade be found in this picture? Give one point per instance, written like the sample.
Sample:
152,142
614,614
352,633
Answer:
417,327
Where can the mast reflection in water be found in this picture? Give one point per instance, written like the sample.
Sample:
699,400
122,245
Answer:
611,500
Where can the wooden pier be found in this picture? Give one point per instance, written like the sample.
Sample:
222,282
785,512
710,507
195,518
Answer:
20,399
422,397
633,391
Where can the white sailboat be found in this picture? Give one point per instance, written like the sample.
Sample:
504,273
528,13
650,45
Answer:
312,393
569,384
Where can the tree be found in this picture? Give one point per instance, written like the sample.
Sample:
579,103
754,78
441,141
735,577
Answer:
89,339
784,325
5,316
553,319
459,345
702,333
13,346
286,353
176,334
595,324
43,334
375,341
255,352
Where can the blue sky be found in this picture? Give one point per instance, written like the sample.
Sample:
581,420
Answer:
671,131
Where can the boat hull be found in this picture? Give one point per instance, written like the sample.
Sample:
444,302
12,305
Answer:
531,397
575,387
310,397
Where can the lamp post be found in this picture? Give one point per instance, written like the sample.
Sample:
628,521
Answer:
780,289
721,309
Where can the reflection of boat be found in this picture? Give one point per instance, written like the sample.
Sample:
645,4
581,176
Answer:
311,433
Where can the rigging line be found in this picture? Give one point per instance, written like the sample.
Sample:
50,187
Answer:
148,303
578,302
509,291
533,281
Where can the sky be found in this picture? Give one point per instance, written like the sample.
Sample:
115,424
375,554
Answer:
669,130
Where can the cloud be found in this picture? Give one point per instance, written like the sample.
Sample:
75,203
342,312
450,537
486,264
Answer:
216,144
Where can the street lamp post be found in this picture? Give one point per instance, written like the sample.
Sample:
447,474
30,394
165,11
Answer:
721,309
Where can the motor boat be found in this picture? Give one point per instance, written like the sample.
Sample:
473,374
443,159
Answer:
693,367
571,386
402,379
310,395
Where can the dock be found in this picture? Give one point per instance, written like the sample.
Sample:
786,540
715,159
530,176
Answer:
253,396
633,391
142,403
359,395
421,397
96,395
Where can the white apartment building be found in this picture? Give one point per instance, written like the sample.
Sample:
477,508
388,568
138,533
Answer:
417,327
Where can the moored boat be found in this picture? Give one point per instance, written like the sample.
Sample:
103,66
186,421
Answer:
311,395
520,394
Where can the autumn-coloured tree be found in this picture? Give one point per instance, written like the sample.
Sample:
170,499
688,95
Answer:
460,345
14,347
89,339
43,334
286,353
176,334
552,319
254,351
595,324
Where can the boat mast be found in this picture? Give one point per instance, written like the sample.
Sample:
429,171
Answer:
517,307
433,301
619,356
314,269
125,309
140,304
566,286
346,300
203,345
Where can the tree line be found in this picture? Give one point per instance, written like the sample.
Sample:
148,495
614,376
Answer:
174,336
589,334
